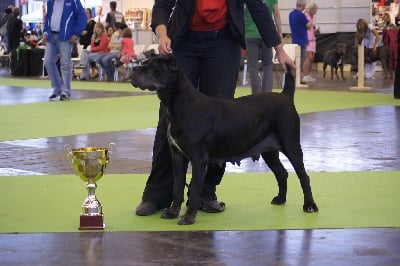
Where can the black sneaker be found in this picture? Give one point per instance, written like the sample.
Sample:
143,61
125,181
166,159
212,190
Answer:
212,206
64,98
53,97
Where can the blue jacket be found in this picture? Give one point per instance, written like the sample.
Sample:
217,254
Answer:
298,27
73,20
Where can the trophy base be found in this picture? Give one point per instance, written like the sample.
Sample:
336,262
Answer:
92,222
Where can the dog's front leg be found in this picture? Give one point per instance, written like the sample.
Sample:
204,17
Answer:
336,70
179,169
196,187
341,71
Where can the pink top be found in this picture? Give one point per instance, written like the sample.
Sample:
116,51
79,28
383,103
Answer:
311,32
127,50
127,46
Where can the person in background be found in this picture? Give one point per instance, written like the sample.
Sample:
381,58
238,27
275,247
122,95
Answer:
367,36
396,84
3,27
100,17
39,30
311,48
114,15
14,29
126,53
387,21
110,31
114,45
88,31
206,38
299,25
30,39
64,22
98,48
256,50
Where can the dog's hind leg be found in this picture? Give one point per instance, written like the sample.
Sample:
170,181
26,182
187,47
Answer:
294,153
199,170
180,164
324,69
271,158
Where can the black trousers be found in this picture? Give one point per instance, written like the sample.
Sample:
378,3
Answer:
396,85
211,62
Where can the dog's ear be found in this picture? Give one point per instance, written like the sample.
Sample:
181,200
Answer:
173,65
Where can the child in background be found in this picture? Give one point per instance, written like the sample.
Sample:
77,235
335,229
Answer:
126,53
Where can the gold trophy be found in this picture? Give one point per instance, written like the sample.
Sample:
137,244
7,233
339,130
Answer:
89,164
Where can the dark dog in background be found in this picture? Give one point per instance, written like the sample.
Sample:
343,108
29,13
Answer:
206,130
334,58
383,55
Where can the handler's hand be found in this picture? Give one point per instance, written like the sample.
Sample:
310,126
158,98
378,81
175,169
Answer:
284,59
73,38
164,41
44,39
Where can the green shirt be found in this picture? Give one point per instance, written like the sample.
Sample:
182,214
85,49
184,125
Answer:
251,28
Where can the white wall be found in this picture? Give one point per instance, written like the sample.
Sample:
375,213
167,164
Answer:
333,15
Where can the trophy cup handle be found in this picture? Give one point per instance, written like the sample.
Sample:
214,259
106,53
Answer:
68,152
112,148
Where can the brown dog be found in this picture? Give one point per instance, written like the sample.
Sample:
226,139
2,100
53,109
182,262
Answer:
382,54
206,130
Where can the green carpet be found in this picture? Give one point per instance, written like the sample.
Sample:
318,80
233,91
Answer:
76,85
345,200
51,119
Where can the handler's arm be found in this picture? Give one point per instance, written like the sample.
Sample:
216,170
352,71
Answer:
164,41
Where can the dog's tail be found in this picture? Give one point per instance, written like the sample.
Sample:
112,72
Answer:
289,84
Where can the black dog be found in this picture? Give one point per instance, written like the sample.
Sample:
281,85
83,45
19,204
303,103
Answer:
334,58
206,130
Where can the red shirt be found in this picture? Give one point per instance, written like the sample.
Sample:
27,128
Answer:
102,47
209,15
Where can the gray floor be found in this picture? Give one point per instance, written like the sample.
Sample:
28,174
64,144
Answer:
361,139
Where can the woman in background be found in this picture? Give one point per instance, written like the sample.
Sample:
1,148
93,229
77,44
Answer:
88,32
367,36
310,12
396,85
110,31
114,45
98,48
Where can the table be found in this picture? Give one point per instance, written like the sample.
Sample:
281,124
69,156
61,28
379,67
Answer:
27,62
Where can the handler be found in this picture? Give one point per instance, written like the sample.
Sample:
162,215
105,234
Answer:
206,38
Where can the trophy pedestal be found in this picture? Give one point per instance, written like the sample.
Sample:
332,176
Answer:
92,222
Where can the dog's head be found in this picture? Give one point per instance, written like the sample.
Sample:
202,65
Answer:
340,49
155,74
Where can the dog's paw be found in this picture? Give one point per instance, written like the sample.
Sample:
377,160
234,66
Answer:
186,220
169,214
278,200
309,208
